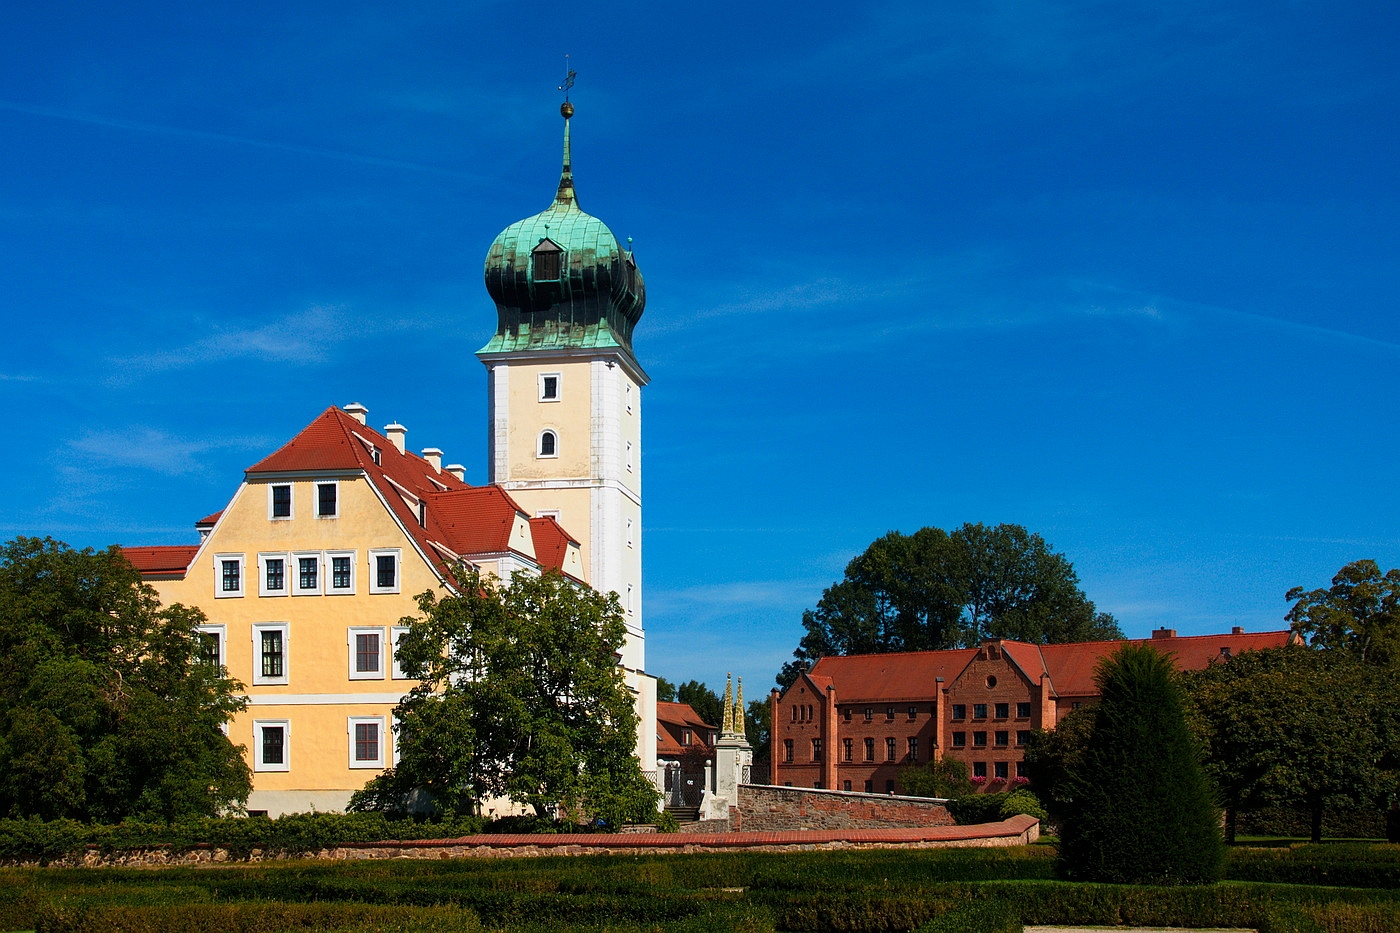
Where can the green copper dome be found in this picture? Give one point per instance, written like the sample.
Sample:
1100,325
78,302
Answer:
561,281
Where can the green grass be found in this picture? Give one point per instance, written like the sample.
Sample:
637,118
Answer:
1336,888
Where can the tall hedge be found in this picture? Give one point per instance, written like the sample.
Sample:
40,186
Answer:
1140,809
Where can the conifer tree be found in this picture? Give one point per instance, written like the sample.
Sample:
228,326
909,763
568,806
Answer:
1141,811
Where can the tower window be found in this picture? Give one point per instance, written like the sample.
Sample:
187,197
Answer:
549,444
547,262
549,387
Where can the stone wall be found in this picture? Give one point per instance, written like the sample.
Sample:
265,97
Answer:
765,808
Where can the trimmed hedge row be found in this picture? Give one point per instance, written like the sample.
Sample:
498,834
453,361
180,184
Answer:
1336,824
33,840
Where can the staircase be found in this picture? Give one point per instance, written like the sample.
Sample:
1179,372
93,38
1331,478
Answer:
684,814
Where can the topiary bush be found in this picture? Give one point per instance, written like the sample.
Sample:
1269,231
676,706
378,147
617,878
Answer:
1020,802
1140,808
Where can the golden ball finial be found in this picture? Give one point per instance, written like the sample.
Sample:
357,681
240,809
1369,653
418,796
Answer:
567,109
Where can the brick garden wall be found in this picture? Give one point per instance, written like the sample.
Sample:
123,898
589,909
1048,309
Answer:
779,809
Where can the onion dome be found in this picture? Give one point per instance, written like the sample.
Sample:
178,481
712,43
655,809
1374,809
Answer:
560,279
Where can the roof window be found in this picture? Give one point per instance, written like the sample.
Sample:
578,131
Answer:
546,261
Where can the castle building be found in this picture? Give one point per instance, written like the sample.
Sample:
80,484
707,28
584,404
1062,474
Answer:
307,572
855,722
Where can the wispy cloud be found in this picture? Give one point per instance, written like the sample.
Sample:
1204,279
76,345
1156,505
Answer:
713,600
7,377
146,449
184,133
300,338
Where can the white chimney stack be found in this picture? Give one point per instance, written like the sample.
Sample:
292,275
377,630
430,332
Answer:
434,458
457,470
397,435
357,411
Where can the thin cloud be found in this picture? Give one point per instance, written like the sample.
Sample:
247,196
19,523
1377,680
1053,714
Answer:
304,337
205,135
147,449
6,377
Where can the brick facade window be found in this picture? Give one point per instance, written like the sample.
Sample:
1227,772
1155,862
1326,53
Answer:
913,712
890,749
1023,736
914,749
869,749
1002,769
869,786
869,714
889,713
1003,710
889,787
1023,711
1003,738
979,739
979,710
845,785
847,750
959,711
816,749
979,769
959,739
847,714
1021,769
787,749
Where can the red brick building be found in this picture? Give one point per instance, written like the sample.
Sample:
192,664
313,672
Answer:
853,723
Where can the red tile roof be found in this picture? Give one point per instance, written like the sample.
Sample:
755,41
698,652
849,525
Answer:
551,541
161,559
209,519
460,520
671,720
912,675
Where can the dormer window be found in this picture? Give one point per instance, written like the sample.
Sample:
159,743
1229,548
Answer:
547,261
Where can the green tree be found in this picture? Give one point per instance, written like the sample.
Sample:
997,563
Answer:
1359,614
1052,756
1297,727
521,697
106,709
665,690
945,778
935,589
758,729
706,703
1140,808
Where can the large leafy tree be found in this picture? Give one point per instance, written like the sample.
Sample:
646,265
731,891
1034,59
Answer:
1140,809
703,700
521,697
1359,614
107,710
934,589
1297,727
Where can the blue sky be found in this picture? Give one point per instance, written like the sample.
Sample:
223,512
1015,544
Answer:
1124,273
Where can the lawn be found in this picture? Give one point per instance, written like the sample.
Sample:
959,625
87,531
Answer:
1337,887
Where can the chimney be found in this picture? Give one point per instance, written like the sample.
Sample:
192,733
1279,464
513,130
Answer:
434,458
1237,630
457,470
1164,633
357,411
397,435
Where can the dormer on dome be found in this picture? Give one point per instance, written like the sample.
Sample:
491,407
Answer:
561,280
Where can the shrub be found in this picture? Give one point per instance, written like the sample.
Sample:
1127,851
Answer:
945,778
1140,809
1020,802
971,809
667,822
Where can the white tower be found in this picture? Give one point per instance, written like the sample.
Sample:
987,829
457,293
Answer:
564,400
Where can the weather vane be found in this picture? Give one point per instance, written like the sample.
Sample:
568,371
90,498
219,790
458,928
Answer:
568,79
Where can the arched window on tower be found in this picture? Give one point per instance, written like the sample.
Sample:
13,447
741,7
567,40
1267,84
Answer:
549,444
547,261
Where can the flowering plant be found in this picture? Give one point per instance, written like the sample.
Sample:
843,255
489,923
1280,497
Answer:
998,779
978,779
1020,781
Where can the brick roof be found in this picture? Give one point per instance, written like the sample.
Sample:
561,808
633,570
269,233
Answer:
909,675
161,559
912,675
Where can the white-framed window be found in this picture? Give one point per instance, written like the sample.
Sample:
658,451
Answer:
307,573
270,653
548,513
210,645
395,633
274,575
340,573
628,393
629,532
629,456
384,570
272,747
550,384
228,575
279,502
327,499
366,735
627,599
547,445
367,653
